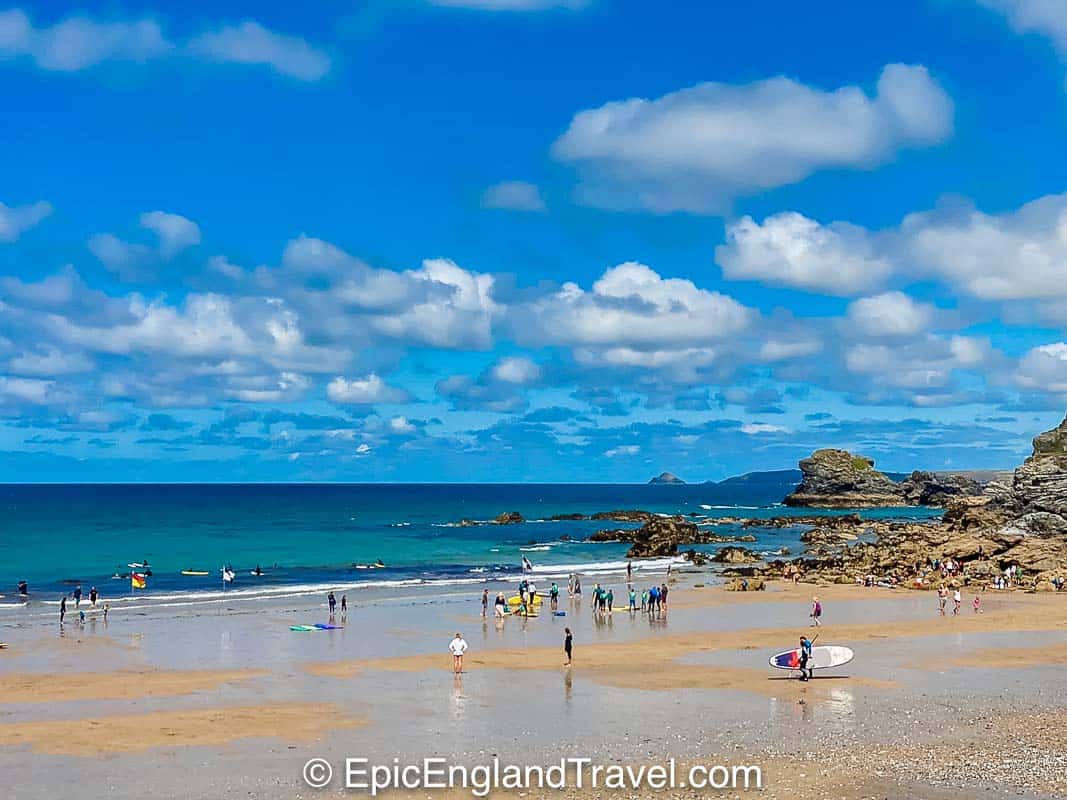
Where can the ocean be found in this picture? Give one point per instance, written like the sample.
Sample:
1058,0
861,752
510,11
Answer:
309,538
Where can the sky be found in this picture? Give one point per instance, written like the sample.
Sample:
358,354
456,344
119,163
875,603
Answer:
528,240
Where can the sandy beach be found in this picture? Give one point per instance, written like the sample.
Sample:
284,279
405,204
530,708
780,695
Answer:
225,700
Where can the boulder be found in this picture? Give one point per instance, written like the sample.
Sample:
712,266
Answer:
838,479
735,555
509,518
746,585
661,536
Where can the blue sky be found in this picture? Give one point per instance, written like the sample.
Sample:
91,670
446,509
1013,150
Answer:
452,240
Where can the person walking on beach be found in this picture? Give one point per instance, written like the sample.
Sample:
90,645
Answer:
816,612
977,604
806,672
77,596
644,599
663,596
629,570
499,604
553,593
457,648
332,601
344,604
62,608
485,602
957,601
577,587
93,596
568,645
942,598
107,608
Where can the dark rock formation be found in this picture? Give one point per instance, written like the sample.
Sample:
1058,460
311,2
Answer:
668,478
567,517
932,489
509,518
661,536
633,515
839,479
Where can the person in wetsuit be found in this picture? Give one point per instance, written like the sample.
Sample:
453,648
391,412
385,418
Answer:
806,672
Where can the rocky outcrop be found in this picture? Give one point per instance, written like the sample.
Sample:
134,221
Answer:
509,518
746,585
661,537
839,479
933,489
630,515
667,478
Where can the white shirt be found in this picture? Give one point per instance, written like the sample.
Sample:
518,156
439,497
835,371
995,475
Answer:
458,646
956,597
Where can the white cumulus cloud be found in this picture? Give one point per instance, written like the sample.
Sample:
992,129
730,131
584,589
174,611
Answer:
789,249
889,314
697,148
251,43
367,390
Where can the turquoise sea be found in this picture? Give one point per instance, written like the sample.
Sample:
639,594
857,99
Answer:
308,538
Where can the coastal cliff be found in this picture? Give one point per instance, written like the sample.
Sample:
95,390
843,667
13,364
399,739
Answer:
1021,525
838,479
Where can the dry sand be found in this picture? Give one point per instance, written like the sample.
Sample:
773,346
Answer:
131,733
118,685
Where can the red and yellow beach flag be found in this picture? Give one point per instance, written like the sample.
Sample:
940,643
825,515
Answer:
137,581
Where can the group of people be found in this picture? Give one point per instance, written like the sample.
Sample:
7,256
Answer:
331,601
77,595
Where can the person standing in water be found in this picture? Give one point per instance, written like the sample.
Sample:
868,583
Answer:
344,604
93,596
332,601
77,596
568,644
485,602
457,648
629,570
62,609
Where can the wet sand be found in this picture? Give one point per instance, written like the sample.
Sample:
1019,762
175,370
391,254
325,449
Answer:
694,685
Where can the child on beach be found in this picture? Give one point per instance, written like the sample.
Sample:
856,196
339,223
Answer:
942,598
977,604
610,598
457,647
568,643
957,601
816,612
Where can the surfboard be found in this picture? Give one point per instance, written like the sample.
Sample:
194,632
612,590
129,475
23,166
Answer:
517,601
822,657
323,627
302,628
198,572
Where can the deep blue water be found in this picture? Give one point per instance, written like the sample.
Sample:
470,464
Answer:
308,536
